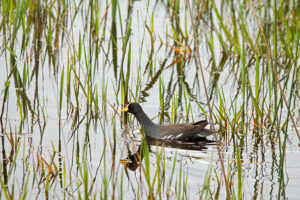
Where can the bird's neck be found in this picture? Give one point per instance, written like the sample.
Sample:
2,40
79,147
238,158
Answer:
143,119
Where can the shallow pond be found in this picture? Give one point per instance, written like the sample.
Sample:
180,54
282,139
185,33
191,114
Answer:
70,67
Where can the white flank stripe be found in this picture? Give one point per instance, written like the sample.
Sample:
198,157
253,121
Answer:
169,137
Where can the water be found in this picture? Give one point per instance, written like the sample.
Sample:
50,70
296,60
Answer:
76,151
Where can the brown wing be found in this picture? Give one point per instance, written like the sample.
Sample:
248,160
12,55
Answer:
181,131
202,123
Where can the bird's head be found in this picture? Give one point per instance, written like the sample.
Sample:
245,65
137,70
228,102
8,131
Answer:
133,108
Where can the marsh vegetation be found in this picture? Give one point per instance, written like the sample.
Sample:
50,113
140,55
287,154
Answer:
69,67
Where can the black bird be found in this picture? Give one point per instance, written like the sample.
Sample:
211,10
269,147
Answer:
181,132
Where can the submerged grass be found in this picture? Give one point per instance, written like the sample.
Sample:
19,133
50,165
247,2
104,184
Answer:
78,57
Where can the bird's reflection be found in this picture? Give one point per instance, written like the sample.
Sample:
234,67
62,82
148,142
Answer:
133,161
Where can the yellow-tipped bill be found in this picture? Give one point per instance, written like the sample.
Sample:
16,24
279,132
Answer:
123,162
125,109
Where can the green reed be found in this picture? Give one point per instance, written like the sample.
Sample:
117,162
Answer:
260,62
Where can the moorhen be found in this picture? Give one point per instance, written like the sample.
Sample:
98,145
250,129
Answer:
181,132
